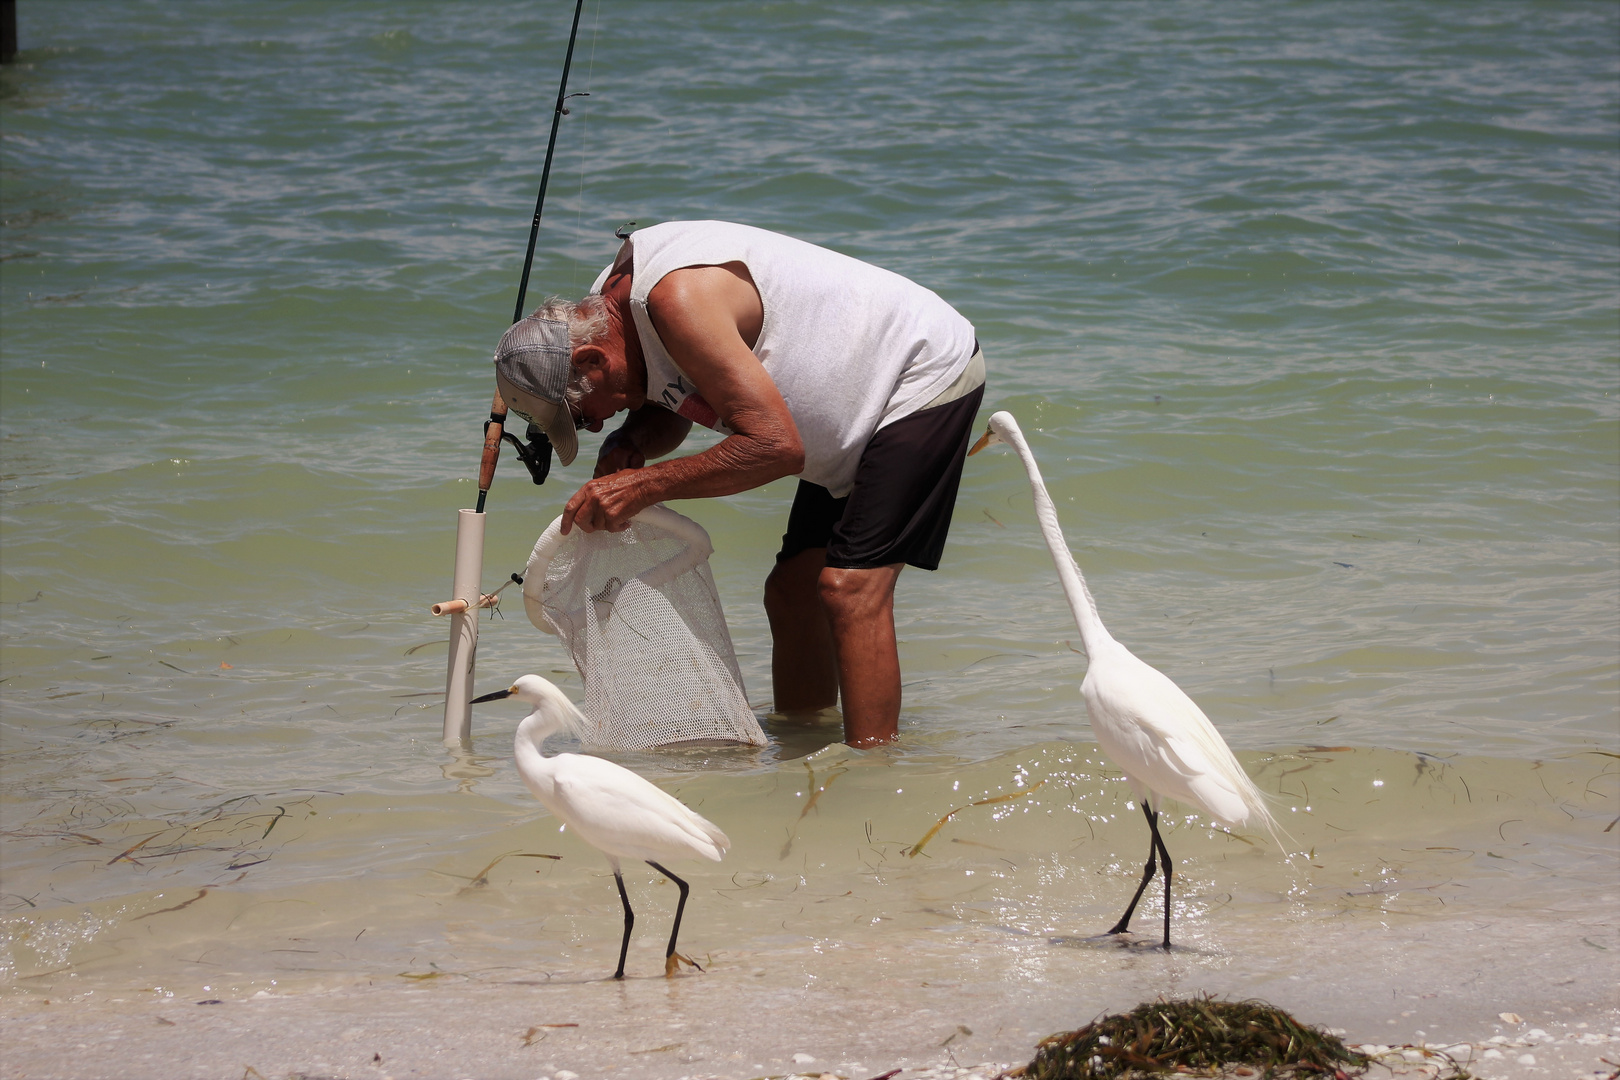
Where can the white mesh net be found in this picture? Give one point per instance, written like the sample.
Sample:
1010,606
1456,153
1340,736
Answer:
641,618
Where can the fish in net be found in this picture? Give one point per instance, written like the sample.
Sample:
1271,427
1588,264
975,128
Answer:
640,616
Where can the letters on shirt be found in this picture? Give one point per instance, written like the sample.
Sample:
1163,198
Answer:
684,400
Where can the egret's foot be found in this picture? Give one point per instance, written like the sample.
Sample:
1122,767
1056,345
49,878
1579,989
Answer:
1125,939
673,962
1092,941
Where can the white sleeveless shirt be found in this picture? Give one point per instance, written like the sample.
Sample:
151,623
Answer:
851,347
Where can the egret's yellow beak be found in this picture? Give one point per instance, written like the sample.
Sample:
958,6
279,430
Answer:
984,441
496,696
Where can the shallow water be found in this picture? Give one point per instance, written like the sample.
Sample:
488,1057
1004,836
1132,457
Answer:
1310,315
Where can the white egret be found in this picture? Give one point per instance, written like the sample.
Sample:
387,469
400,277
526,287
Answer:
611,808
1163,742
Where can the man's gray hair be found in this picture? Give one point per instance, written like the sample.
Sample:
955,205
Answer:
587,322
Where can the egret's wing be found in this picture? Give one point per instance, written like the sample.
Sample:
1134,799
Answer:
1160,736
619,812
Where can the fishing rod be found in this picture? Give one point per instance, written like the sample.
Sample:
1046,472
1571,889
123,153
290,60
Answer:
537,454
468,595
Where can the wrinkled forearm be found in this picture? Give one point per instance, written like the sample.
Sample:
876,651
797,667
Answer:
738,463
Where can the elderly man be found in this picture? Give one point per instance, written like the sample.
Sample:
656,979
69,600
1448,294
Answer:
861,383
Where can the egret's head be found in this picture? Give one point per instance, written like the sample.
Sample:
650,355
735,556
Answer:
1001,425
552,711
529,689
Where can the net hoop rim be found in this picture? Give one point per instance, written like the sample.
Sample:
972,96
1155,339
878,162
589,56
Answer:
698,548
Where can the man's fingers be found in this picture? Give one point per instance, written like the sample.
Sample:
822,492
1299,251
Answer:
601,504
571,513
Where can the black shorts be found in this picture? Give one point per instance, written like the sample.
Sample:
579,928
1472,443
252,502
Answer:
905,489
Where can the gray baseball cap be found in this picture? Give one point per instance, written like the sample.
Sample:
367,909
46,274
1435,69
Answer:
532,365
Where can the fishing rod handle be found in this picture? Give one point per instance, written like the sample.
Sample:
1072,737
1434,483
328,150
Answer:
492,445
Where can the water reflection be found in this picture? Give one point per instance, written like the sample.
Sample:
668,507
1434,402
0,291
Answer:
466,768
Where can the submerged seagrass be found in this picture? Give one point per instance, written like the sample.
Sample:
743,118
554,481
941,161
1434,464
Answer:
1200,1033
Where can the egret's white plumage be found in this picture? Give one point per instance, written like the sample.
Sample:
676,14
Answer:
609,807
1158,737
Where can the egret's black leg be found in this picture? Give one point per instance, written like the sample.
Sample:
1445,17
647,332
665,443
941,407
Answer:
670,957
1147,875
1164,857
629,921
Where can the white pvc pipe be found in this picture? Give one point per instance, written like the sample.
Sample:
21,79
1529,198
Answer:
458,680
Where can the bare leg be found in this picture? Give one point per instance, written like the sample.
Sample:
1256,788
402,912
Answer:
629,921
1124,924
860,609
804,672
672,959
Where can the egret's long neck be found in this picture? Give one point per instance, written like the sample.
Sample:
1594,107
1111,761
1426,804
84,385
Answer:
1092,632
532,732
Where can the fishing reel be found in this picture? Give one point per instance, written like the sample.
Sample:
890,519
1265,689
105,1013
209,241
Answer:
535,455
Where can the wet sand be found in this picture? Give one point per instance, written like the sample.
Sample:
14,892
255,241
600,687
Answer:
1425,899
800,1010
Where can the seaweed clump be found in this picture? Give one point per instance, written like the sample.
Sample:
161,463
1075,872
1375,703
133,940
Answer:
1197,1035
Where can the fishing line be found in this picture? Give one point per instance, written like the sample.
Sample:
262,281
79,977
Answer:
545,173
494,609
584,144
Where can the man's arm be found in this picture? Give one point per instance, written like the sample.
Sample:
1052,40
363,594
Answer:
701,313
648,432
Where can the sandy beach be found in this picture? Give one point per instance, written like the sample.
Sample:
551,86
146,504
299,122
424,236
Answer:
734,1023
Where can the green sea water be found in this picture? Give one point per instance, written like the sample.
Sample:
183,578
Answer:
1311,313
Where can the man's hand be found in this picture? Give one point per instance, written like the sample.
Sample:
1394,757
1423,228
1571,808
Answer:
619,452
648,432
608,502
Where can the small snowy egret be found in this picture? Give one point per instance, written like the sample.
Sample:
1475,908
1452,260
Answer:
611,808
1163,742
